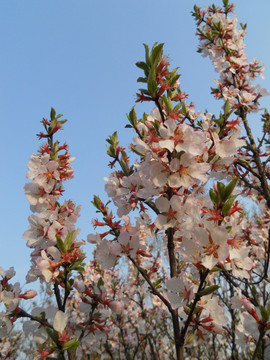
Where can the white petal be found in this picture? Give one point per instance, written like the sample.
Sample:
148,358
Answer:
167,144
161,221
175,300
174,166
60,321
162,204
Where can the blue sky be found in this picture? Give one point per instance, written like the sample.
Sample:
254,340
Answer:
79,57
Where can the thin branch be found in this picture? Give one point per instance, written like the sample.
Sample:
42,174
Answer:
153,289
43,322
58,296
197,298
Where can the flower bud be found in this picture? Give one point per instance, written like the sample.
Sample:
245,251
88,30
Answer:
116,306
30,294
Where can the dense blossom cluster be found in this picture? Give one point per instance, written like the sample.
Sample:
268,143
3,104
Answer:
53,221
223,43
130,324
180,154
210,299
56,255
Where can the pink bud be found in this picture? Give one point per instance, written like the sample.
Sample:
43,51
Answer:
30,294
115,306
250,308
247,305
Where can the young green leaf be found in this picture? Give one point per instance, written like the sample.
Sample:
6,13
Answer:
213,196
142,65
71,345
52,334
60,245
208,290
152,87
68,240
147,58
97,202
156,54
228,204
221,190
230,187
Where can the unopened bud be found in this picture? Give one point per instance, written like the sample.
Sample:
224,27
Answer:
30,294
116,306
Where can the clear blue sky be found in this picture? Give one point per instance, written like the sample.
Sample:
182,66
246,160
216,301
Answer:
79,57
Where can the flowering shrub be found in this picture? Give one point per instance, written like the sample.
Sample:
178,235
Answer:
210,299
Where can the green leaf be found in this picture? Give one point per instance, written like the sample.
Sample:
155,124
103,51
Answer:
100,282
137,152
152,87
52,114
156,54
156,126
209,36
208,290
60,244
184,109
52,334
173,79
227,108
213,196
220,43
80,269
152,74
157,283
196,310
142,65
142,270
71,345
230,187
168,103
97,202
264,313
221,190
228,204
144,91
124,167
142,79
147,58
243,26
217,26
226,5
77,263
220,120
68,240
243,161
114,138
111,151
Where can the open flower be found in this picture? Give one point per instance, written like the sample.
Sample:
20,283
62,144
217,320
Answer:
187,172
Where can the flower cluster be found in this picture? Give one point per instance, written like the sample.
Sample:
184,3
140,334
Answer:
51,232
223,42
191,171
10,296
180,153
